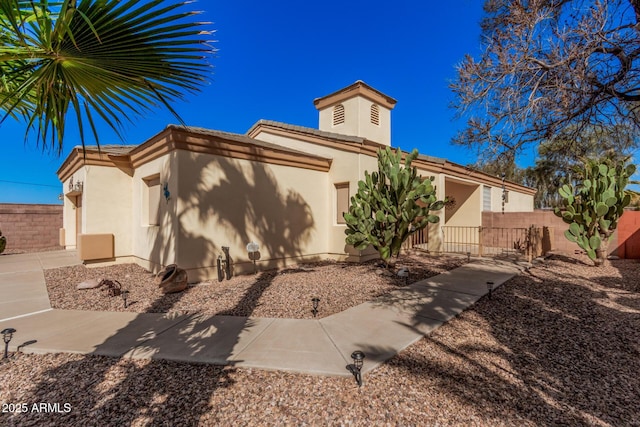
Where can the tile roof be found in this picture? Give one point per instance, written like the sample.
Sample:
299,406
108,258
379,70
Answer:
108,148
310,131
241,138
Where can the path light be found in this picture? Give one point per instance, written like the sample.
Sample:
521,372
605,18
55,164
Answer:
490,288
358,361
7,334
125,295
254,254
468,256
404,274
315,302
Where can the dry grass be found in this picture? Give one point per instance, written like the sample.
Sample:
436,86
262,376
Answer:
559,345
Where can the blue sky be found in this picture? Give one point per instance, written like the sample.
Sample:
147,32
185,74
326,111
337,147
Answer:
274,58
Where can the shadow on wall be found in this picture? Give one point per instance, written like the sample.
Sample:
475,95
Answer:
218,202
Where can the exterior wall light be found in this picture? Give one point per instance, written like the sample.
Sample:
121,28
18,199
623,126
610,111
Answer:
356,368
315,302
165,192
7,334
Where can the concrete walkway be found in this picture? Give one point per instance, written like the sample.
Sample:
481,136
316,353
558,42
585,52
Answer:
380,328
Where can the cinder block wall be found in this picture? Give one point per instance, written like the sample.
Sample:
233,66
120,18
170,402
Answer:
541,218
30,227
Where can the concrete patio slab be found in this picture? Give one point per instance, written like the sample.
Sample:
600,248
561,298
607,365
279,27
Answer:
205,339
24,307
75,331
294,345
379,331
41,326
8,264
22,293
381,328
56,259
426,301
140,329
472,278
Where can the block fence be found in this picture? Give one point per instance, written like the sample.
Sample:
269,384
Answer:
555,225
29,227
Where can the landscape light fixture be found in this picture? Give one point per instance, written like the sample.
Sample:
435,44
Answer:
468,256
404,274
358,361
315,301
125,295
490,288
254,254
7,334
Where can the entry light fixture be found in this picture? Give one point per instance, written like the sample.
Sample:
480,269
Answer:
125,295
315,301
7,334
358,361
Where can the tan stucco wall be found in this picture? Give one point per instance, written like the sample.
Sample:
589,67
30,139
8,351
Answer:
357,113
345,167
69,210
229,202
155,245
107,205
467,210
518,202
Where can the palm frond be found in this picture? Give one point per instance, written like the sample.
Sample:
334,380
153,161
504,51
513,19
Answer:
111,59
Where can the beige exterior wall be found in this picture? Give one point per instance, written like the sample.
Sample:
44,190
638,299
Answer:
69,210
106,206
346,167
467,210
357,114
518,202
231,202
155,245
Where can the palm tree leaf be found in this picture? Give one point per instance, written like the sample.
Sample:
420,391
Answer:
108,58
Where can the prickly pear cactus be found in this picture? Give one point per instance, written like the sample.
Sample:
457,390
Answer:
390,205
3,242
593,208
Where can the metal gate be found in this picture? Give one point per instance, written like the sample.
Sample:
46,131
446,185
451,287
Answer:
489,241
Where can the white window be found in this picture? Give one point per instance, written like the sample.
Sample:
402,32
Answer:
486,198
375,114
151,200
338,114
342,201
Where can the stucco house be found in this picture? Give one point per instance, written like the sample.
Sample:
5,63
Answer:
185,193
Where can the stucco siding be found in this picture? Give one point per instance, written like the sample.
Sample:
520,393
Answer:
229,202
155,244
107,206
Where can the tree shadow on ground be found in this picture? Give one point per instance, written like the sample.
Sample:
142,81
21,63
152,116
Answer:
122,391
543,348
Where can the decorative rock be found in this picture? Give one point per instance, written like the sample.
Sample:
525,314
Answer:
89,284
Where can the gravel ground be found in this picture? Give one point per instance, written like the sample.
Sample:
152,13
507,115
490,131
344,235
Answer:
275,293
559,345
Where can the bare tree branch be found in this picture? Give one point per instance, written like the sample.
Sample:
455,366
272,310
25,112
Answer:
550,68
